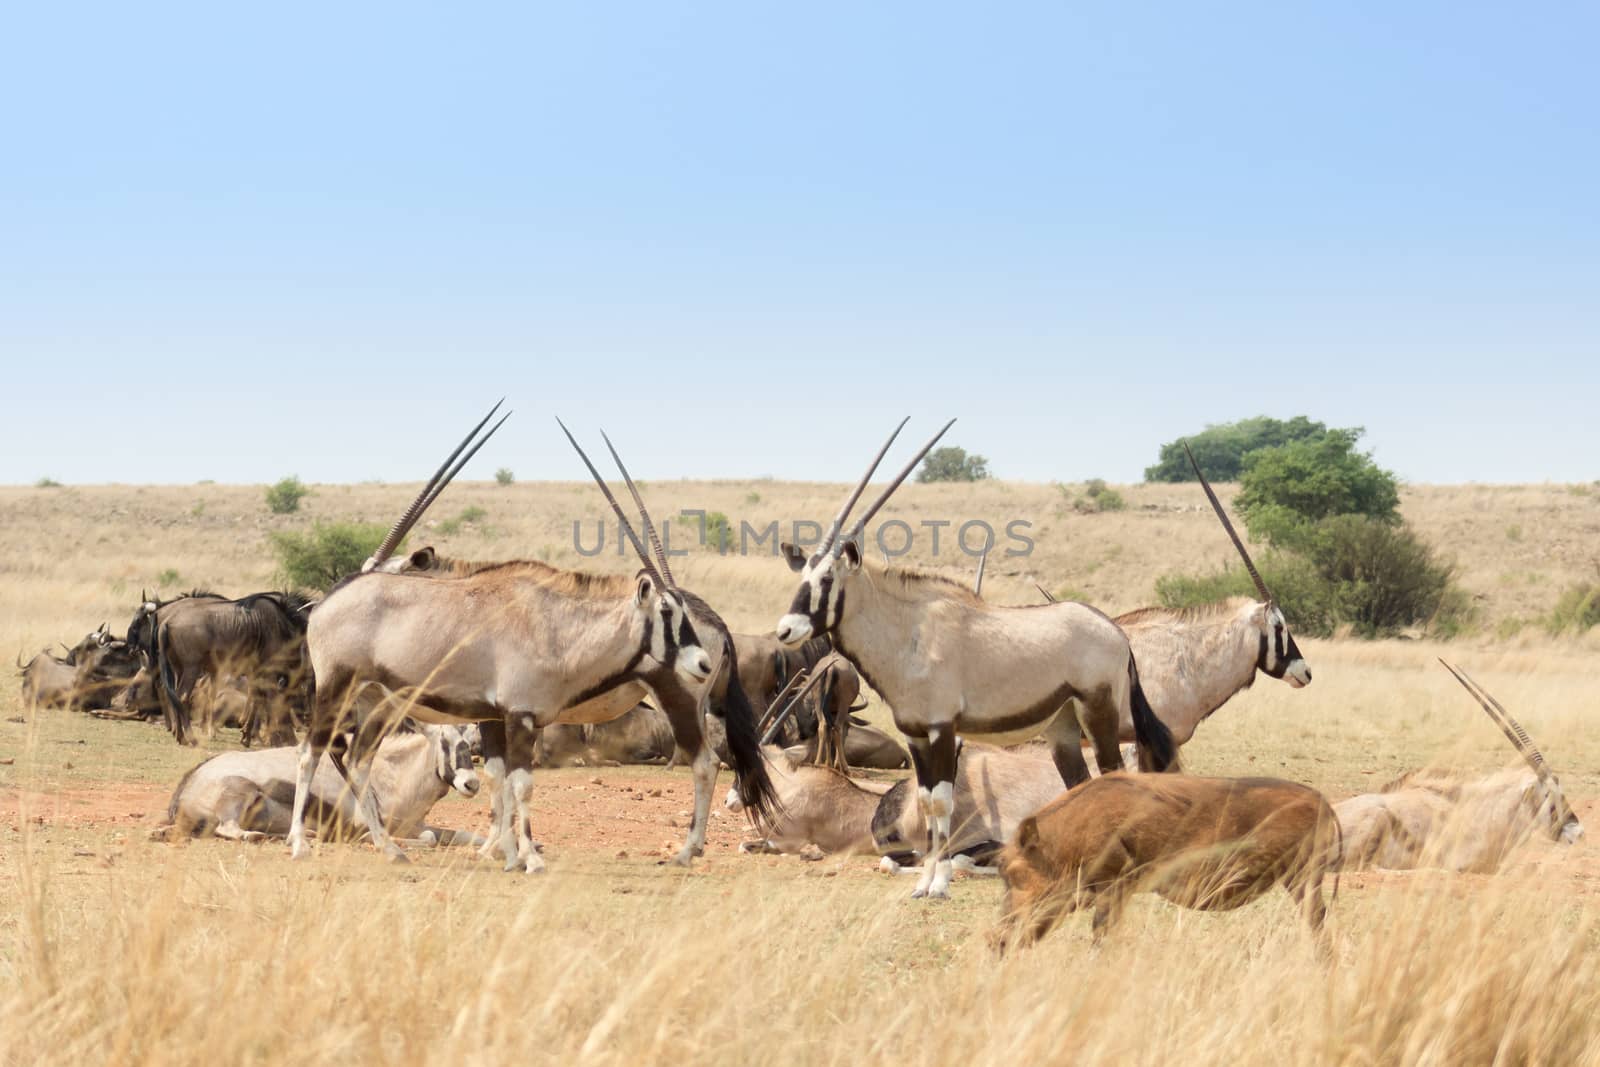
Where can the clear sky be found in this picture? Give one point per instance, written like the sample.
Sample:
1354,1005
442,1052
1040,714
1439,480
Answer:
238,241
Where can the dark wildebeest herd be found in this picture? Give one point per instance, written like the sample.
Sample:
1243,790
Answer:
374,700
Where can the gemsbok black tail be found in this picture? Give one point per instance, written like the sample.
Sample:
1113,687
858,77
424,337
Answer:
1157,751
738,717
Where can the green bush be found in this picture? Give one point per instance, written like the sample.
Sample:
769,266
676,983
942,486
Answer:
317,558
284,497
473,514
1349,570
1221,448
952,464
168,577
503,476
1577,611
1284,490
1301,592
47,483
1104,497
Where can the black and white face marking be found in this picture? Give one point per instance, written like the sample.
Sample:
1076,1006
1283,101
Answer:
1280,656
453,758
819,602
671,635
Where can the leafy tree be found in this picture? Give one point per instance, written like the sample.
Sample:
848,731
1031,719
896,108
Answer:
503,476
952,464
1285,491
284,497
1221,448
329,551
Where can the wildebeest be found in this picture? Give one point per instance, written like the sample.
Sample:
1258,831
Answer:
1432,819
47,680
85,678
1207,843
260,637
246,796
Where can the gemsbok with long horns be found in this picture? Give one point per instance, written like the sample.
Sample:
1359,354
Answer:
947,662
1431,819
1194,660
515,648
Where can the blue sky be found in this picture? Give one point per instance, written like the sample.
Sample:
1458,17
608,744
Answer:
239,242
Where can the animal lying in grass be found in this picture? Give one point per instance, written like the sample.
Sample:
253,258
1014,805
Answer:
818,807
1431,819
249,796
1207,843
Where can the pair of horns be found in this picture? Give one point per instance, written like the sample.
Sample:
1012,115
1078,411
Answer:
663,576
1502,718
835,542
436,485
1216,505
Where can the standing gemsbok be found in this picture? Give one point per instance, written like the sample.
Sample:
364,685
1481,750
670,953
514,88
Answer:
946,661
513,648
1194,660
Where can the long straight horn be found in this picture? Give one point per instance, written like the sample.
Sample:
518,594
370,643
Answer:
644,513
1502,718
905,472
462,462
1216,505
1049,598
977,582
409,517
622,518
855,494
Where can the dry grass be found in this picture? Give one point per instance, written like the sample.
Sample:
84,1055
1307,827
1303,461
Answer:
115,949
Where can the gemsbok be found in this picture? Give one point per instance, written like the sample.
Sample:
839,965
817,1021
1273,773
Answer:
248,796
1194,660
1429,819
946,661
1212,844
515,648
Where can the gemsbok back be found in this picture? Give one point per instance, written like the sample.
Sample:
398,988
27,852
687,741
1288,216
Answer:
946,662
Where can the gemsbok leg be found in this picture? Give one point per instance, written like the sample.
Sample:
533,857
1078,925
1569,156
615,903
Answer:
324,716
363,751
521,735
934,757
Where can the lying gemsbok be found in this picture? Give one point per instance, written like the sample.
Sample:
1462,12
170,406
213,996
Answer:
947,661
248,796
1426,819
1207,843
513,648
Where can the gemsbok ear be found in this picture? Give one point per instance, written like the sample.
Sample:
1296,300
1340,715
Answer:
851,554
642,594
796,558
422,559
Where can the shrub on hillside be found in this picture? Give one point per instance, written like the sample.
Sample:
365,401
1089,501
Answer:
319,557
1221,448
1284,490
503,476
952,464
1349,570
284,497
1577,611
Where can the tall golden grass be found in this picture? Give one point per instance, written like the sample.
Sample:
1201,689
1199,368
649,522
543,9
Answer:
115,949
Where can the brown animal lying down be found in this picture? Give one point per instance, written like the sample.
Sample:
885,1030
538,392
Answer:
1206,843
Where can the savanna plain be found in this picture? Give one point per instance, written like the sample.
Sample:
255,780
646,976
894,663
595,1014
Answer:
118,949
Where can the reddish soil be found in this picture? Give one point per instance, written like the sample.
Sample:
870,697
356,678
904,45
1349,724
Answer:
644,812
